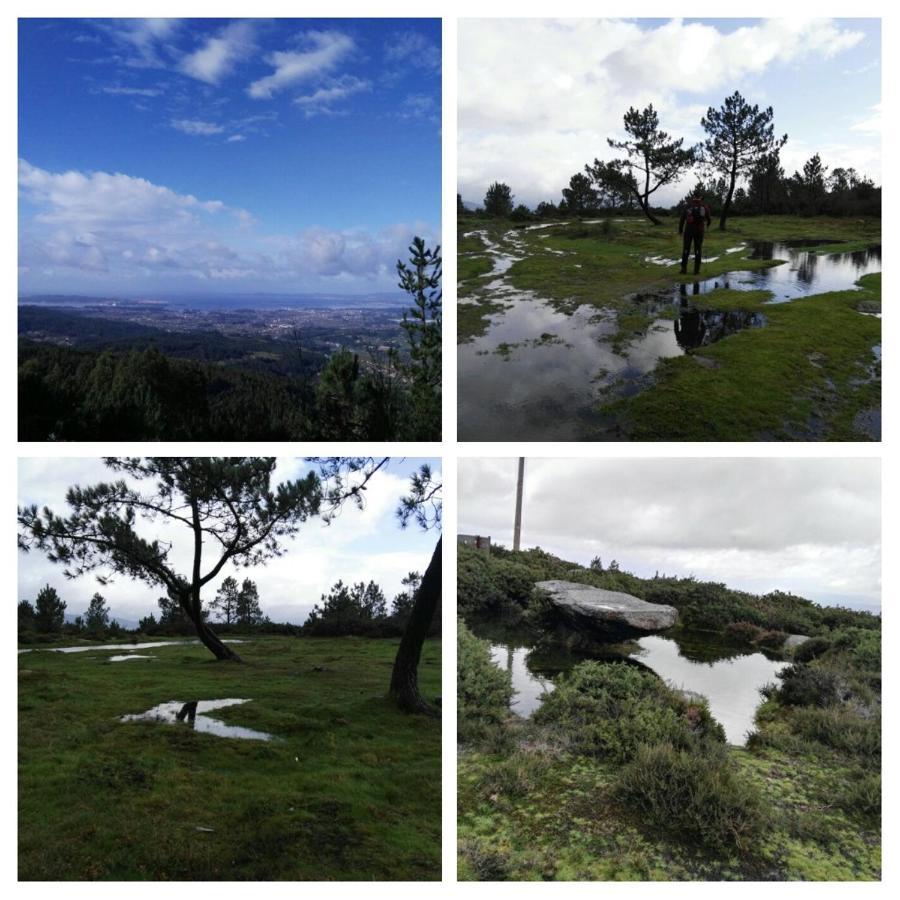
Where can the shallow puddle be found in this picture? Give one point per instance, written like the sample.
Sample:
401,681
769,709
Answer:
143,645
803,273
729,678
124,657
539,374
193,714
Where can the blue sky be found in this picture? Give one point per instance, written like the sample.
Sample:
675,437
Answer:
359,545
821,76
215,155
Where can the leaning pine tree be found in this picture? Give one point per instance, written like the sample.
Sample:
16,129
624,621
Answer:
652,160
226,507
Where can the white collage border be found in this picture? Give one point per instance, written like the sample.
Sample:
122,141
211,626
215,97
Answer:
448,448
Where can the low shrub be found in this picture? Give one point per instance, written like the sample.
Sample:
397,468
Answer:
610,709
811,649
807,686
700,799
512,777
840,728
743,632
484,690
772,640
861,795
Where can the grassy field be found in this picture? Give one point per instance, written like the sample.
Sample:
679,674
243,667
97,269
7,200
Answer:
812,371
350,788
810,374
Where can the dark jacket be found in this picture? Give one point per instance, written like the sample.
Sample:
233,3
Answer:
687,218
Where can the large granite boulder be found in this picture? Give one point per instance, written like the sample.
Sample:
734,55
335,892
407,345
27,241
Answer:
610,612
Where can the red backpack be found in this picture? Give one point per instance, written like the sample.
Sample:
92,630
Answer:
696,214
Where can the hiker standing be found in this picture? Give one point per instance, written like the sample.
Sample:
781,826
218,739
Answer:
694,219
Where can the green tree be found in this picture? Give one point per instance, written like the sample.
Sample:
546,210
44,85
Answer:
739,136
581,197
225,602
404,601
26,616
50,611
173,619
248,611
653,159
96,619
813,180
358,609
339,396
225,503
766,186
421,279
498,200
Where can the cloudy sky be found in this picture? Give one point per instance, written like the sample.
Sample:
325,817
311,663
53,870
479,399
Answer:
357,546
534,126
810,526
166,155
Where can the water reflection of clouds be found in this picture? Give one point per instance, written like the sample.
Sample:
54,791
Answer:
731,683
550,391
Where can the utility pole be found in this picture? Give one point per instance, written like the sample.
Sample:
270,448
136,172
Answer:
517,531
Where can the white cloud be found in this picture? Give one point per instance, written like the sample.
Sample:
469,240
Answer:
534,126
118,90
812,526
130,228
147,38
327,49
418,106
235,138
196,127
218,56
872,123
323,100
413,49
352,253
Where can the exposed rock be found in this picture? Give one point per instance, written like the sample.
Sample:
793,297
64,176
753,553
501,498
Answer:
611,612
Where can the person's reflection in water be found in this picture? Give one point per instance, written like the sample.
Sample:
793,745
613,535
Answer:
188,712
690,326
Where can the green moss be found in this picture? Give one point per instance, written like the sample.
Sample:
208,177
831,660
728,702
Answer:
474,266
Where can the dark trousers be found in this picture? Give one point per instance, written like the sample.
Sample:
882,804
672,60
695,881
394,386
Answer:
693,236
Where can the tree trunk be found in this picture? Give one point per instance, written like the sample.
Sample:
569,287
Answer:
644,198
405,676
646,208
207,636
727,205
214,643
